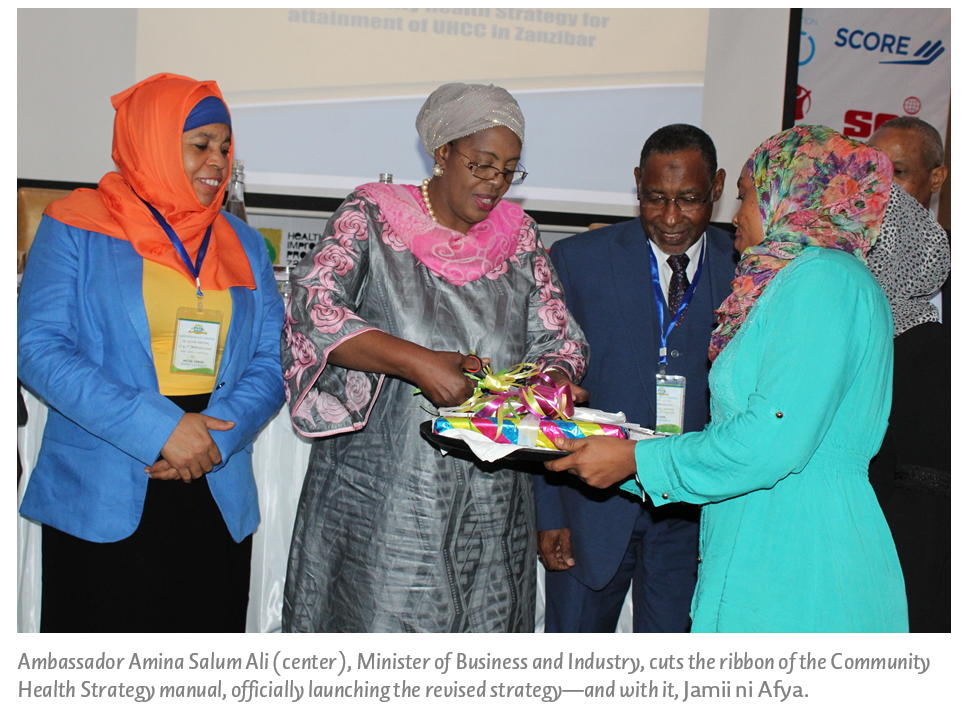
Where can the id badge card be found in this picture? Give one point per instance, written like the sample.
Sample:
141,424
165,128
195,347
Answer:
670,402
196,339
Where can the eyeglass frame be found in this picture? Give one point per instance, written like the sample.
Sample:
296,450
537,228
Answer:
651,206
472,165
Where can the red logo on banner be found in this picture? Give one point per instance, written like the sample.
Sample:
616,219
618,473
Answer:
912,106
803,102
860,124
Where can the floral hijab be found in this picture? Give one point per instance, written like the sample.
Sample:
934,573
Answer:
816,188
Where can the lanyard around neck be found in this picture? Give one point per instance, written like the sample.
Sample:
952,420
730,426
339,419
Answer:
661,301
193,267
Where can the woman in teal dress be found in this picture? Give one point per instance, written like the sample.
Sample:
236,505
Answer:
792,537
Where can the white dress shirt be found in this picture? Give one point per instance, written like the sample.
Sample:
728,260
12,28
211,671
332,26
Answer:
666,272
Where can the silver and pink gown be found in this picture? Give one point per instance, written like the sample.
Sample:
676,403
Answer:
391,535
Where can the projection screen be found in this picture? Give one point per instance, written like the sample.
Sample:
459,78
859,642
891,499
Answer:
324,100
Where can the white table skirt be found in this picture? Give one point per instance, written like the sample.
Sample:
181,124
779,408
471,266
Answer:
280,461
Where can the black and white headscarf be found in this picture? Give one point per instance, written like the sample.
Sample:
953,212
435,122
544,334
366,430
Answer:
911,260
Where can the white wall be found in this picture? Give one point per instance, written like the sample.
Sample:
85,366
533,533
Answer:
69,63
746,60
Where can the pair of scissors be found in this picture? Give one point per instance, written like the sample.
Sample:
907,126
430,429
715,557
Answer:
473,366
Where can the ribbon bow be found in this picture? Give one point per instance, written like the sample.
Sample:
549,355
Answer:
511,393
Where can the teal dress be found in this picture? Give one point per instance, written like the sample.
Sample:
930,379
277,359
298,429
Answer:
792,537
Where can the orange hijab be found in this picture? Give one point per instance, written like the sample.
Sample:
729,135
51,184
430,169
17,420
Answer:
147,150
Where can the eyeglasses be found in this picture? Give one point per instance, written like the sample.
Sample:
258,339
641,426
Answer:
685,203
487,172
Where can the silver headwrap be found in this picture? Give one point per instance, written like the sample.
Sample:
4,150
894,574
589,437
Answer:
457,110
911,260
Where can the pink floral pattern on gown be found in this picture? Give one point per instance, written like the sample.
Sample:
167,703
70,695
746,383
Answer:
390,534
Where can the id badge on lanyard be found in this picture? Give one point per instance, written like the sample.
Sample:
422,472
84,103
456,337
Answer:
670,388
196,340
197,331
670,403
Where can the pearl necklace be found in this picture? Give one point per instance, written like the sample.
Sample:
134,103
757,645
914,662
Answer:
427,200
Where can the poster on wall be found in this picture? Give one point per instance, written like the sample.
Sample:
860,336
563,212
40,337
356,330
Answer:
288,238
860,68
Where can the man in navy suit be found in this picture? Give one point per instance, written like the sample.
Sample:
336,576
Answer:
592,542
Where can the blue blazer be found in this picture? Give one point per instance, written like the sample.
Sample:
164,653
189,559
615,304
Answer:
605,274
84,347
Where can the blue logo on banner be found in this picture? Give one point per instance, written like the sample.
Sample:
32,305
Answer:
890,44
813,49
928,53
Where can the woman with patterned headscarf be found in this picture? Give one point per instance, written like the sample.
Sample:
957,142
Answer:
912,472
406,282
792,537
149,321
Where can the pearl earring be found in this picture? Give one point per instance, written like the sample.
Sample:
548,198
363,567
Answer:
427,200
438,170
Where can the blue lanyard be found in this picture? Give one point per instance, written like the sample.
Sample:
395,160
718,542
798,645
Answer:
661,301
193,267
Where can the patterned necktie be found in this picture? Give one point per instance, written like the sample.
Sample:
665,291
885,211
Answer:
678,283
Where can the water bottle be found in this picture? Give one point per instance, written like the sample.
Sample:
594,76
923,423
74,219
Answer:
235,201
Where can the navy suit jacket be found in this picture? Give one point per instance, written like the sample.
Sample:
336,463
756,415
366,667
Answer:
609,290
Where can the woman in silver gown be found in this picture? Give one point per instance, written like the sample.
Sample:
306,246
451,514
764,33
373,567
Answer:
390,534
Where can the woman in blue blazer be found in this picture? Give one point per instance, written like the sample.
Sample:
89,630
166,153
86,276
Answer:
149,321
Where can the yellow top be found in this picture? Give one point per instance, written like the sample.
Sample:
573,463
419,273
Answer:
166,290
